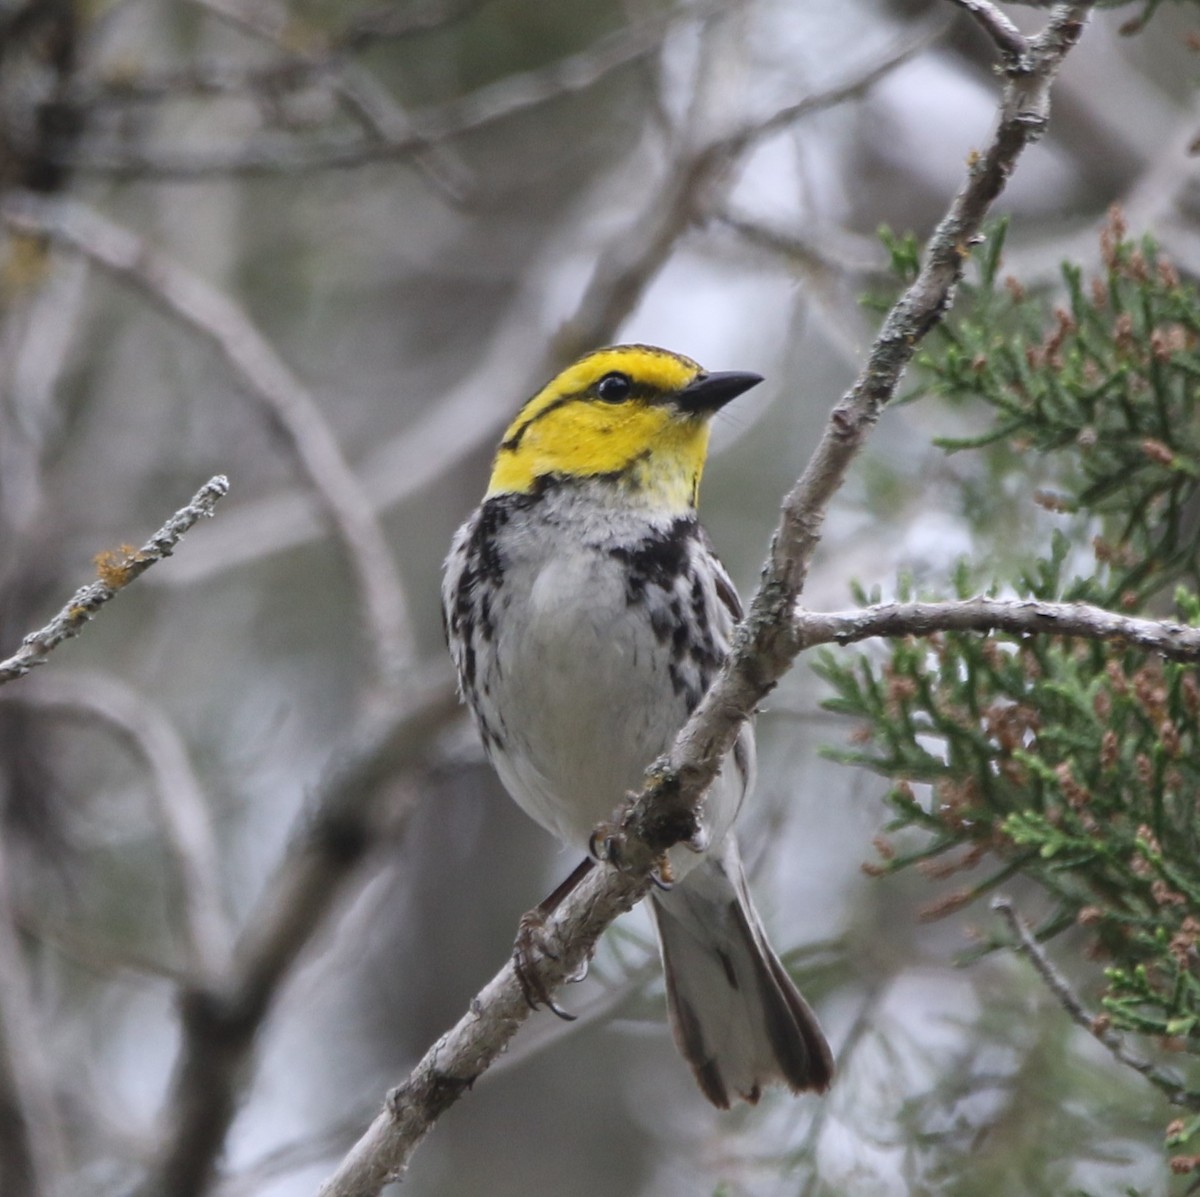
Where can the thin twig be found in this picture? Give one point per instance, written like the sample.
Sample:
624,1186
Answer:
286,401
1175,641
766,642
823,251
117,570
180,800
1166,1082
1010,41
665,811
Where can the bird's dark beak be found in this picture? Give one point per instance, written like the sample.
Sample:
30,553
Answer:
710,392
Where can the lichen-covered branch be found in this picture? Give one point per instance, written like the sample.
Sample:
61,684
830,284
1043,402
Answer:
1175,641
767,643
117,568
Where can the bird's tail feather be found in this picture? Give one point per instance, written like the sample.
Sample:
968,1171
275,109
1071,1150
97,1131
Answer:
738,1018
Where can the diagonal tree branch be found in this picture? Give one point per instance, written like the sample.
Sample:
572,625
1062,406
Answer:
117,570
767,642
1027,945
766,645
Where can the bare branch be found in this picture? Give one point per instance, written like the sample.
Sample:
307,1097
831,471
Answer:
767,643
1008,38
1166,1082
452,1065
1024,115
286,401
665,811
181,803
1175,641
117,570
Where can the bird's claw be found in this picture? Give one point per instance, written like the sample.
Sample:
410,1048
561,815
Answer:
533,941
606,844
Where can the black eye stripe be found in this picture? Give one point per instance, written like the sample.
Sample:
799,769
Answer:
514,441
642,391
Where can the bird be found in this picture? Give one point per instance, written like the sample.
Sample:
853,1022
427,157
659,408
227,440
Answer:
586,613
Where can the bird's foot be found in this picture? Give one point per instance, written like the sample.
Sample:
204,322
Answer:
607,844
534,942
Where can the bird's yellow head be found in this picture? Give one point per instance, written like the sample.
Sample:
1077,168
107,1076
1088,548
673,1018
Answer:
633,414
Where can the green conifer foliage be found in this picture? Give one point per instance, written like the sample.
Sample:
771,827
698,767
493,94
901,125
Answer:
1073,763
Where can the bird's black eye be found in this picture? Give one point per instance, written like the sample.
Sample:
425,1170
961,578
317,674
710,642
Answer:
613,388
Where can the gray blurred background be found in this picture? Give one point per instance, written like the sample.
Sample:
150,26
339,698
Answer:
419,289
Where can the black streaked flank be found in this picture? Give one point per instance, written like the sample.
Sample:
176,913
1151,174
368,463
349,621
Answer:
484,565
661,578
